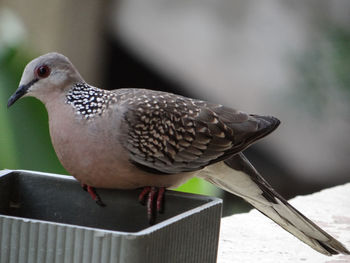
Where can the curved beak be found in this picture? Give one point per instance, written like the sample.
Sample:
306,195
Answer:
20,92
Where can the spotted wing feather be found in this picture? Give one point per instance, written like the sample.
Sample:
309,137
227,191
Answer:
168,133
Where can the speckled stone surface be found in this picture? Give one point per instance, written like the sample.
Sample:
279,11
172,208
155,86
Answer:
251,237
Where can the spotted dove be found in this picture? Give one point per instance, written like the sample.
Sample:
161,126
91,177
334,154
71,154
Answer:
132,138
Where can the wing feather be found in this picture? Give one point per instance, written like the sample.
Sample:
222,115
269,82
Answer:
172,134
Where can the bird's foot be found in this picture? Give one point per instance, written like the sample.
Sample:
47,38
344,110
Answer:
154,201
92,191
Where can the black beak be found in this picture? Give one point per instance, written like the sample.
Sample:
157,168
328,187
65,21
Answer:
21,91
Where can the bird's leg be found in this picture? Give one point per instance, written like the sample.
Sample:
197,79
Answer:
144,192
151,213
155,201
92,191
160,200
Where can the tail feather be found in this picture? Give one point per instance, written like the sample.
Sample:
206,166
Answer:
239,177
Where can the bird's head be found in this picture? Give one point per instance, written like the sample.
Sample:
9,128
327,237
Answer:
44,76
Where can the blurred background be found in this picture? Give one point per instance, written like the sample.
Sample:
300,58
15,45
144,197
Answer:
289,59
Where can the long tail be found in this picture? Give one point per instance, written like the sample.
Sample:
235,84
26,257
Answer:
238,176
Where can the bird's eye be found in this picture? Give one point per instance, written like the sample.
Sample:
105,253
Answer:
42,71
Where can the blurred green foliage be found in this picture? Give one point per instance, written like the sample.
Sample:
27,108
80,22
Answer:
25,142
322,70
340,40
7,151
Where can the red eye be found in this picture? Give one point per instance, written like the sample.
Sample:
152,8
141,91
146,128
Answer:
42,71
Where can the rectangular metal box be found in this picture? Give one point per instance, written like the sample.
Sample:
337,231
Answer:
49,218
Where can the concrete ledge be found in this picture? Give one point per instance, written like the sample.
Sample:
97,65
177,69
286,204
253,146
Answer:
252,237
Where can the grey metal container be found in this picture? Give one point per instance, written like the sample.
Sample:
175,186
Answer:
48,218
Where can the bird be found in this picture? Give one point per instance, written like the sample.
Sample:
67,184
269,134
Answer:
131,138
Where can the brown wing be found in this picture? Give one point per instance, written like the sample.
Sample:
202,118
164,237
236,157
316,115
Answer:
168,133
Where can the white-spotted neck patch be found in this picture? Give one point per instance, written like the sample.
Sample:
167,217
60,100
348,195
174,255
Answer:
88,101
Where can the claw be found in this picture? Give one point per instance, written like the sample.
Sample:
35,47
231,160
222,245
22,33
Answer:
155,201
151,213
160,200
92,191
144,192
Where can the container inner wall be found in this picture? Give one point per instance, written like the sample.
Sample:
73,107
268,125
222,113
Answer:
61,200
